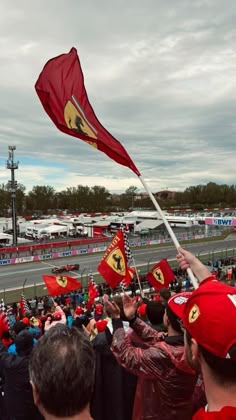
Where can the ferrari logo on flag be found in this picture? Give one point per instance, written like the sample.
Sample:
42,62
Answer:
62,281
76,120
116,261
159,276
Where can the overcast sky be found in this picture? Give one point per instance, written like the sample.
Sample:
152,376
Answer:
160,75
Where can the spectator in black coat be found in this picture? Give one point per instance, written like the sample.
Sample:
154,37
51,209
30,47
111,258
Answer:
18,396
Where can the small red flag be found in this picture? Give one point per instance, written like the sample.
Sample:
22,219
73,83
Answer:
113,266
61,90
58,285
92,291
160,275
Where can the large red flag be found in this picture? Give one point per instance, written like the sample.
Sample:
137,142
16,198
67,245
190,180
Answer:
160,275
113,266
57,285
61,90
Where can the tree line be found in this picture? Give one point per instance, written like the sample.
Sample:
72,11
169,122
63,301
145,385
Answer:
46,200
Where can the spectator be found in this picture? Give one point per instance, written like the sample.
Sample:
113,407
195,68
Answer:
210,339
155,312
18,397
65,390
165,295
165,381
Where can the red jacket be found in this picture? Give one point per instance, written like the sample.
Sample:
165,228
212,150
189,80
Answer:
226,413
165,381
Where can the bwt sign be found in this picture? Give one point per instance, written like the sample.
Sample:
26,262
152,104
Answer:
220,222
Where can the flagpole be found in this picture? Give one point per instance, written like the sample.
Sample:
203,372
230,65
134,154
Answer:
137,275
169,229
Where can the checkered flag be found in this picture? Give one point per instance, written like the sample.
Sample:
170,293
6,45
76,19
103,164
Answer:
4,316
128,252
24,307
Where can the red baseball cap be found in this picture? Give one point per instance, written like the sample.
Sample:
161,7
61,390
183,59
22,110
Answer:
26,321
142,309
210,317
101,325
57,316
177,303
78,311
99,309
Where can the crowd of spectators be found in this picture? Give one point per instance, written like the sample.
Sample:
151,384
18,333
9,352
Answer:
167,355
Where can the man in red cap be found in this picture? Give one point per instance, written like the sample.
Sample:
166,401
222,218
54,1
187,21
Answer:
209,320
165,381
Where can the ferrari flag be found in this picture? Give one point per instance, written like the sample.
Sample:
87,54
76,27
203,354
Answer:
113,266
160,275
61,90
57,285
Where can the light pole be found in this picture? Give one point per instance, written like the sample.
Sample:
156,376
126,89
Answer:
10,164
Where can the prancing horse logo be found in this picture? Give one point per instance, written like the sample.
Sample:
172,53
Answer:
62,281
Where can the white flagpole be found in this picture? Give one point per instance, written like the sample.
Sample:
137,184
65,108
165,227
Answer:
137,275
168,227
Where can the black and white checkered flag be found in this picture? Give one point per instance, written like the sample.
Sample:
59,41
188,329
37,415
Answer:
128,252
3,312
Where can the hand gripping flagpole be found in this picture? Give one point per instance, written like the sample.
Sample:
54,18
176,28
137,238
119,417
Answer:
168,227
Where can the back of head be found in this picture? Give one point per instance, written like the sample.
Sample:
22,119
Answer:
165,294
62,372
155,312
209,318
18,327
24,343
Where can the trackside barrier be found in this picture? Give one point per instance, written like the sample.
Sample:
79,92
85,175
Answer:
90,250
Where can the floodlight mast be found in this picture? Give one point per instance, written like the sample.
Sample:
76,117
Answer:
10,164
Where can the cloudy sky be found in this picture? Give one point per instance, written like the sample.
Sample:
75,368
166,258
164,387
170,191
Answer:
160,75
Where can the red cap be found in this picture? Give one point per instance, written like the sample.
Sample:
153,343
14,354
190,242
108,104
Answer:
142,309
101,325
26,321
57,316
78,311
177,303
210,317
99,309
67,301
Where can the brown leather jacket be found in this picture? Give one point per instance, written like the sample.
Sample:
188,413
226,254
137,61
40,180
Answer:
165,380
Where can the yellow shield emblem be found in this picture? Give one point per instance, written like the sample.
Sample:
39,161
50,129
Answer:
116,261
193,314
62,281
76,120
159,275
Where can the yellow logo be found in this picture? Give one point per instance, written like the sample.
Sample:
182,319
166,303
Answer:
193,314
159,275
116,261
76,120
62,281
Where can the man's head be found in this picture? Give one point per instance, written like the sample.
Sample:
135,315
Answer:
155,311
24,343
174,311
62,372
165,295
210,338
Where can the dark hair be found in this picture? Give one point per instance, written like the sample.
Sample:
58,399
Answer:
155,311
165,293
223,370
174,320
62,369
18,327
24,343
79,321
